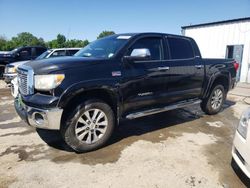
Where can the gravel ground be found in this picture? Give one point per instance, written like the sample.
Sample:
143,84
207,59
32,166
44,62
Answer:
179,148
2,84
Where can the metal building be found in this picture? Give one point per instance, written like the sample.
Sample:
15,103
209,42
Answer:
224,39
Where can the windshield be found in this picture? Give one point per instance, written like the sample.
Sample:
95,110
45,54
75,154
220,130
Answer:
43,55
103,48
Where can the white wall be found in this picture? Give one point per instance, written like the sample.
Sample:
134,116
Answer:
213,39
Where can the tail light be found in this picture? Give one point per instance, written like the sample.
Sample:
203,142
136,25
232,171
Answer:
236,65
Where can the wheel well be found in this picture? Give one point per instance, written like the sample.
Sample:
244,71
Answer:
223,80
100,94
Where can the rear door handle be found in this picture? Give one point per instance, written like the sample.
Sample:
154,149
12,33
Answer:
163,68
199,66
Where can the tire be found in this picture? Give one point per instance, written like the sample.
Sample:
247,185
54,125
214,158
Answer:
83,131
213,104
1,71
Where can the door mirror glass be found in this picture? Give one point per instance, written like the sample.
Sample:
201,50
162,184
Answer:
139,54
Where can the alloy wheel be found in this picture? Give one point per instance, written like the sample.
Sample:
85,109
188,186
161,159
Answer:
91,126
217,98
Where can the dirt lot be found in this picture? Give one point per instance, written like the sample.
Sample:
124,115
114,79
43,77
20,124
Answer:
180,148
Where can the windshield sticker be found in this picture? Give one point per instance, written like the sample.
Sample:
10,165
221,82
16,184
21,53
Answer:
123,37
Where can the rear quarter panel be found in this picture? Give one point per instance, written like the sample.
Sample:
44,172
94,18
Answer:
215,68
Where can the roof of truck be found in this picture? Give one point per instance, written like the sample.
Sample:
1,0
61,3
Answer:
65,48
146,33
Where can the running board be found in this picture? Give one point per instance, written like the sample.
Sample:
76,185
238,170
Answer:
164,109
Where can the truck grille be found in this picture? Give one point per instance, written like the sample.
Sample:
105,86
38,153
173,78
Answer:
25,80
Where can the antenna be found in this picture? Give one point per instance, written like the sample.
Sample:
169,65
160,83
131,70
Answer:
68,34
67,38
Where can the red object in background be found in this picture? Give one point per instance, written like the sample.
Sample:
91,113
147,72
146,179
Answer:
236,65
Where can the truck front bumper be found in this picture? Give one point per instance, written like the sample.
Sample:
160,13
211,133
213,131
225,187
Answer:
39,118
8,77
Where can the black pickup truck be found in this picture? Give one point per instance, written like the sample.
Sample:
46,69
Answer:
19,54
116,77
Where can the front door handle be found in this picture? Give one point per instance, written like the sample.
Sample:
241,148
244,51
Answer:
163,68
199,66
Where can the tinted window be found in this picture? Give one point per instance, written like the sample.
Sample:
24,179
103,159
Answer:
180,48
25,53
154,44
39,51
71,52
58,53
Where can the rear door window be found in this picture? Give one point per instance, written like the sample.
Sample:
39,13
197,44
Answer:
180,48
58,53
71,52
39,51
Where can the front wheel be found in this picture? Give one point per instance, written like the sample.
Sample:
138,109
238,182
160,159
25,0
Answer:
88,126
213,104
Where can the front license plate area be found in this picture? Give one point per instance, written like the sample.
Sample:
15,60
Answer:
20,102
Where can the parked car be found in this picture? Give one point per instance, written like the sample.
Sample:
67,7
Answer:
116,77
10,69
19,54
241,144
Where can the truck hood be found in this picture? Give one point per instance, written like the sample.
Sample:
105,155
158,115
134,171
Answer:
6,54
46,66
15,64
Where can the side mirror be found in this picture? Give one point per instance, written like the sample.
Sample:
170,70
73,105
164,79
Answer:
139,54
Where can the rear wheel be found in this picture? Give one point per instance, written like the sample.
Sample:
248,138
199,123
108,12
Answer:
213,104
88,126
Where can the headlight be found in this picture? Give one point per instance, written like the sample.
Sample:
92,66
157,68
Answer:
10,70
244,122
48,82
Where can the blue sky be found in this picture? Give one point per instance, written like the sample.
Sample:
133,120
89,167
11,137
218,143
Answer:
82,19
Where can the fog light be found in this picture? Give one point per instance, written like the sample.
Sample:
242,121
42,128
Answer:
38,118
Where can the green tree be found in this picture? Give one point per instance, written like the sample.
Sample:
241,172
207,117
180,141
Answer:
10,45
27,39
67,44
85,43
52,44
61,39
105,33
3,42
73,43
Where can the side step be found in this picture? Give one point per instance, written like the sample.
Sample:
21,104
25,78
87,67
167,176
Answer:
163,109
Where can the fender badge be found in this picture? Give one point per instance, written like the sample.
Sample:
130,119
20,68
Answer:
116,73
